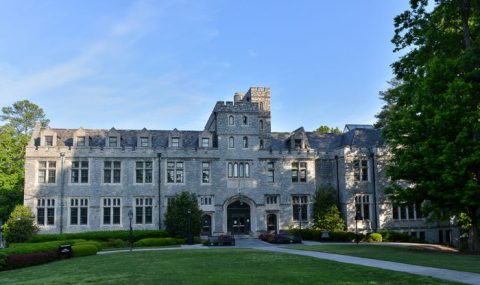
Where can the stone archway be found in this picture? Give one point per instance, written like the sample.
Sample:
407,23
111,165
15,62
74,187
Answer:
238,218
272,223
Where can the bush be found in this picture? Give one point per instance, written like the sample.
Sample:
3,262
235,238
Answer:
115,242
178,221
84,250
15,260
374,237
25,248
101,235
392,236
316,235
156,242
3,261
20,226
97,244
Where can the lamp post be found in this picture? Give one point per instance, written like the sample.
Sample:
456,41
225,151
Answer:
189,226
300,216
358,217
130,217
1,236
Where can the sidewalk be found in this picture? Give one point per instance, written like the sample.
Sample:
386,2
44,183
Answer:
446,274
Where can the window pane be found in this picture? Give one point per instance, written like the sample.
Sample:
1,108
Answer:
116,215
50,216
148,176
41,216
148,215
106,215
83,216
107,176
170,176
116,176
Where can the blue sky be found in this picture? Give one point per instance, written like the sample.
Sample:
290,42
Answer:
164,64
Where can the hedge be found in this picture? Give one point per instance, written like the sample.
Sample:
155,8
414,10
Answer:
374,237
316,235
23,248
101,235
392,236
156,242
96,244
115,242
84,250
14,261
3,261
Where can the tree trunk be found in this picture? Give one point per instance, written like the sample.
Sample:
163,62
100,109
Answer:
465,9
473,237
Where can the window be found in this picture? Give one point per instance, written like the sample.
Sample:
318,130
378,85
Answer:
80,141
175,171
407,212
300,207
362,206
245,120
205,142
206,200
78,211
143,171
175,142
245,142
143,210
270,172
261,106
238,170
49,140
231,142
261,144
231,120
112,141
46,172
298,143
144,141
111,211
299,172
360,170
205,172
45,212
79,172
261,124
271,199
111,171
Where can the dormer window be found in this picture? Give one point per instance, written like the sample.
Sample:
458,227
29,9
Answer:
80,141
175,142
144,141
205,142
112,141
245,120
48,140
298,143
231,120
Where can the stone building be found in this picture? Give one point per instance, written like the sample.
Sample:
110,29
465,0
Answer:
248,179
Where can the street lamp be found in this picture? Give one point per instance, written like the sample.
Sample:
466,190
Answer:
189,232
358,217
130,217
300,216
1,236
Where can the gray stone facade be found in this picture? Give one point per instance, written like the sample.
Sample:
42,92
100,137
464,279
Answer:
248,178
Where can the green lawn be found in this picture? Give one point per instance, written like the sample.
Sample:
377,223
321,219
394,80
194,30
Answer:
212,266
410,255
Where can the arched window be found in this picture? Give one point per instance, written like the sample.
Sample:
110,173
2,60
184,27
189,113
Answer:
245,120
231,120
261,144
230,170
245,142
247,170
261,106
231,142
241,170
261,124
235,170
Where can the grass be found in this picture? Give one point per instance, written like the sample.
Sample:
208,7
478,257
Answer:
409,255
211,266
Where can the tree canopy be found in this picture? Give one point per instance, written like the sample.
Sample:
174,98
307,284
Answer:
327,130
178,221
431,119
326,216
23,115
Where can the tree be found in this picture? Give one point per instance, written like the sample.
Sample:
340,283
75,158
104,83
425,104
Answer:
20,227
326,216
23,115
178,221
431,118
327,130
12,152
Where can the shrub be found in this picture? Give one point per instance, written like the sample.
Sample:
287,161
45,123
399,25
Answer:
181,240
84,250
115,242
97,244
20,226
101,235
3,261
178,221
25,248
313,234
374,237
398,237
15,260
156,242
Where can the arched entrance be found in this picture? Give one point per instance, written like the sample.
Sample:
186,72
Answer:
272,223
238,218
206,225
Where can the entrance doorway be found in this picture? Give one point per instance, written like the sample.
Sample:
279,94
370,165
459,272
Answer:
238,218
206,225
272,223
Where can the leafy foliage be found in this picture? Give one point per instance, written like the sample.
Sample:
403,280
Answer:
178,221
156,242
20,227
23,115
327,130
84,250
100,235
326,216
431,117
